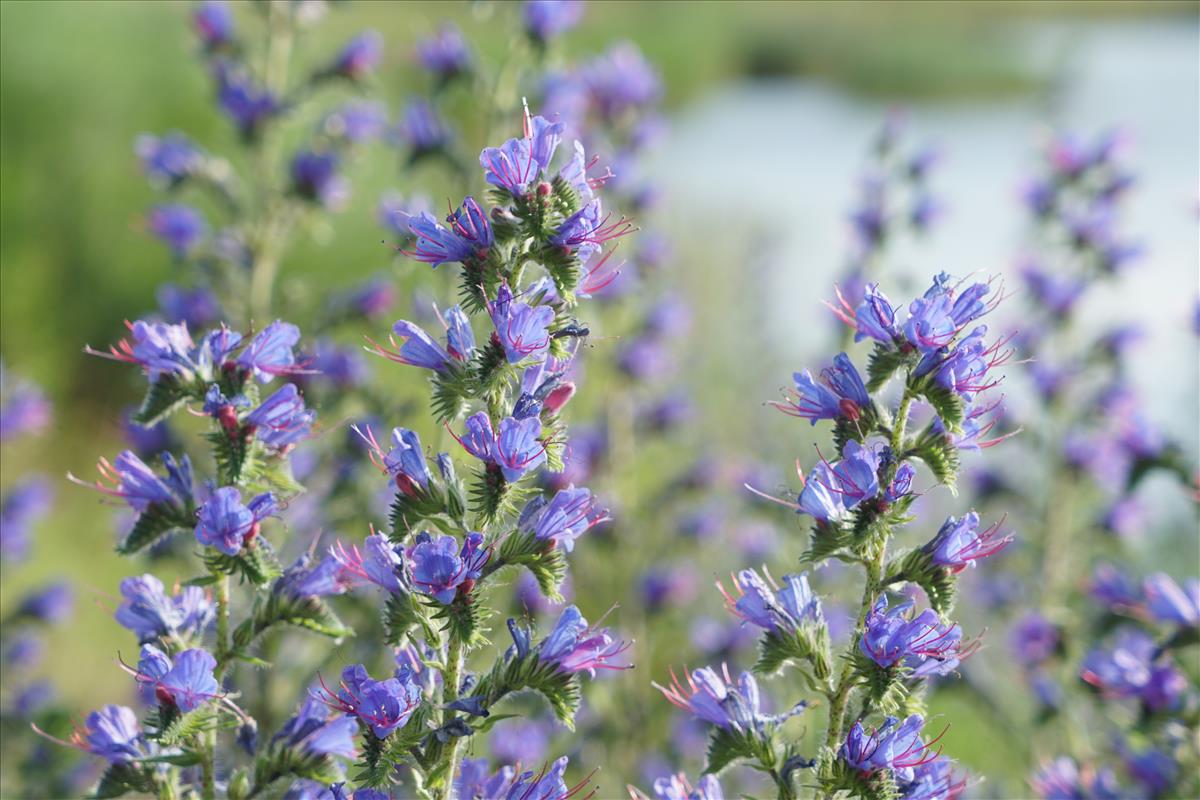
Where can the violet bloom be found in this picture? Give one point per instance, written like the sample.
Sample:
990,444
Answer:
131,480
1062,779
179,227
357,121
516,164
517,448
544,784
570,514
894,745
460,339
840,393
422,128
523,330
51,604
587,231
26,503
193,307
169,159
1114,588
343,367
959,542
439,567
394,212
933,780
360,56
831,490
572,646
224,523
545,19
418,348
187,682
405,462
1128,667
875,317
282,420
1168,603
922,644
1034,639
383,706
677,787
148,611
313,732
718,700
378,562
246,104
820,498
763,603
524,742
213,22
621,80
113,733
445,54
271,352
25,409
303,579
315,178
1154,770
436,245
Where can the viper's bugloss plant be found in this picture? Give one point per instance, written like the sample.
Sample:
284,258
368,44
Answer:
942,357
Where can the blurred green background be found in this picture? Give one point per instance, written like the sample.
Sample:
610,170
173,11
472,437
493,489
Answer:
78,81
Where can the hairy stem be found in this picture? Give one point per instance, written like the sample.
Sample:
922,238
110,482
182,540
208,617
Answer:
453,678
223,648
872,585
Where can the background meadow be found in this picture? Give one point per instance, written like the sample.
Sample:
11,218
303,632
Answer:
771,111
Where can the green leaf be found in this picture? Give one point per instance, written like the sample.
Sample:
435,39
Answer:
236,456
946,402
543,559
451,391
938,452
827,540
120,779
311,613
402,613
727,747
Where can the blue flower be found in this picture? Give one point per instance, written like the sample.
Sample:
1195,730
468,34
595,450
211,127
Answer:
24,504
422,128
246,104
357,121
271,353
460,339
224,523
572,646
523,330
773,608
193,307
379,562
588,229
313,731
894,745
439,567
188,682
213,21
545,19
436,245
570,514
445,54
177,226
148,611
113,733
52,603
360,56
676,787
717,699
959,542
840,394
1169,603
315,178
418,348
1061,779
384,705
281,420
171,158
923,644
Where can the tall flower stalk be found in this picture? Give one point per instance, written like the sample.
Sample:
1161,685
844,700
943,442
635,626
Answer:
945,363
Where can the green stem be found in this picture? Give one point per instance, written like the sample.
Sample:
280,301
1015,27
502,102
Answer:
453,678
872,585
208,771
223,648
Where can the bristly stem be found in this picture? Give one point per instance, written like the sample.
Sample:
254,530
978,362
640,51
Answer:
223,649
453,678
872,585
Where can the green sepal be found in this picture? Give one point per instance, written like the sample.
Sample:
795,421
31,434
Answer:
809,644
946,402
493,497
463,618
164,397
510,675
939,583
543,559
311,613
375,768
157,521
564,269
256,565
828,540
884,362
836,776
885,686
451,392
120,779
729,746
236,456
188,726
490,373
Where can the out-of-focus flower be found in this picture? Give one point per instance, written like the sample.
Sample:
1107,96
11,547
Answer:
179,227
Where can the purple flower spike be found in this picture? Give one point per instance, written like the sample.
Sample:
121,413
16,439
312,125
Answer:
224,523
574,647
